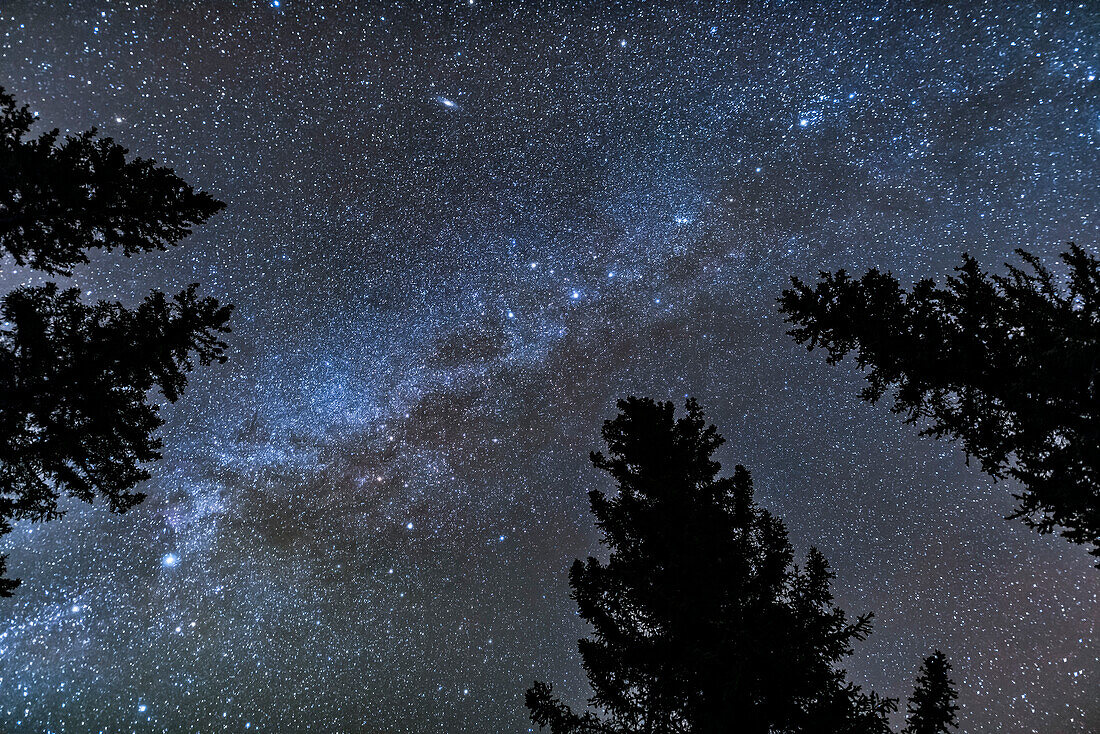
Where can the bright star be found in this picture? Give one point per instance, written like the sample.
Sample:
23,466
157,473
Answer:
169,559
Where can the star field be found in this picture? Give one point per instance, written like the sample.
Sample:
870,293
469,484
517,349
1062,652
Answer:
456,234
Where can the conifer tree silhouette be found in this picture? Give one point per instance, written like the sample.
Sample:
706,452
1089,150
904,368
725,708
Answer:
1008,364
932,706
75,409
700,620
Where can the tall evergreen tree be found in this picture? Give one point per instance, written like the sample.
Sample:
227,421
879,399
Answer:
700,620
932,707
1006,363
75,409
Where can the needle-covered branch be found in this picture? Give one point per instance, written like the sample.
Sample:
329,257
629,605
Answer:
1006,364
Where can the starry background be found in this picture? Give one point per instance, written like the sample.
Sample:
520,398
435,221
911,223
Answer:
456,234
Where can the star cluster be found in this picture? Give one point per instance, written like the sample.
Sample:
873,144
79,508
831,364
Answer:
456,233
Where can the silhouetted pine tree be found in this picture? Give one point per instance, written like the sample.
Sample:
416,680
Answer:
932,706
1006,363
75,414
701,622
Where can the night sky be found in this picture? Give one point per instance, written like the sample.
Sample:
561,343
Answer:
456,234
